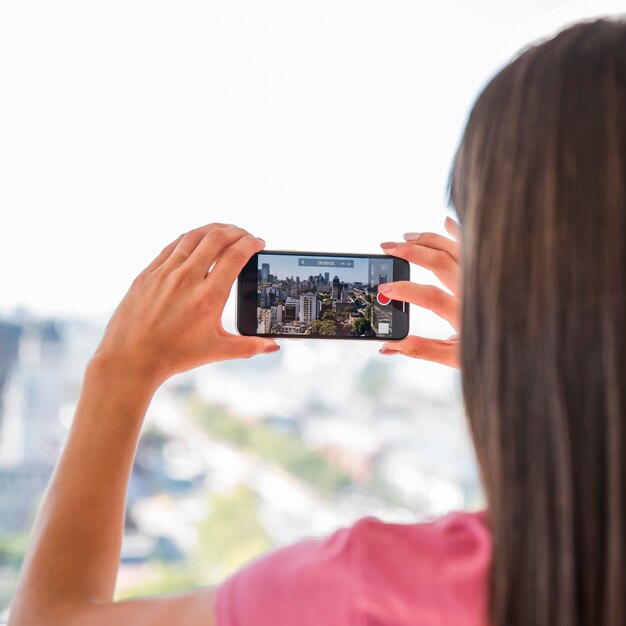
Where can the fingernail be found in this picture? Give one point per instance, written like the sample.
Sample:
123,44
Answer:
384,287
388,244
388,351
412,236
259,238
273,347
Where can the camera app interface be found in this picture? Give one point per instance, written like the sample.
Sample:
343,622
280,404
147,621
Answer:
323,296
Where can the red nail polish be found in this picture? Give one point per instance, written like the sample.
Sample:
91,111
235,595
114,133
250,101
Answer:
271,348
388,351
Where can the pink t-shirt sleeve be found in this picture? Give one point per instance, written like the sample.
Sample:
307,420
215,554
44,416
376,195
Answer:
306,583
371,574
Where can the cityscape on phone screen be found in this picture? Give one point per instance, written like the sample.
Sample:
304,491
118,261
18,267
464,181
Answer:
323,296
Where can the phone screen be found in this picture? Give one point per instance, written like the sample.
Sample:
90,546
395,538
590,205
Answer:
328,296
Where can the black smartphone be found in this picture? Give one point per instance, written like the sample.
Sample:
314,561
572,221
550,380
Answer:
319,295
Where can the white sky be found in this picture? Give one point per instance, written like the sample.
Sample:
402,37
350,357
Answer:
326,125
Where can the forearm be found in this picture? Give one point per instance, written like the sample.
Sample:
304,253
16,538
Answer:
168,322
75,546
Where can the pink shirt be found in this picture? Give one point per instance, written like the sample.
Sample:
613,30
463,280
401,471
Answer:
372,574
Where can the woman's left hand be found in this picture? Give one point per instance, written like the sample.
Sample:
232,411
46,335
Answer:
440,255
171,318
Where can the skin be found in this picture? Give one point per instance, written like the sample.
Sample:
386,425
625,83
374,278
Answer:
168,322
442,256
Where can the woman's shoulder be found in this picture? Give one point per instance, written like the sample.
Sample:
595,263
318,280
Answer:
398,573
430,572
455,536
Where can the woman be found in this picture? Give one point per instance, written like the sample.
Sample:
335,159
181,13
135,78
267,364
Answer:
539,185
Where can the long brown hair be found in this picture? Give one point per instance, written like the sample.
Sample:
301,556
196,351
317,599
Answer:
539,183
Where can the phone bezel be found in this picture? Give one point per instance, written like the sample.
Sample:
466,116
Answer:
246,315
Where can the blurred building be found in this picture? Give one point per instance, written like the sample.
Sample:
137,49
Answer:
10,334
31,397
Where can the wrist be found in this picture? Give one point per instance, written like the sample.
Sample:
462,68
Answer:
114,389
122,373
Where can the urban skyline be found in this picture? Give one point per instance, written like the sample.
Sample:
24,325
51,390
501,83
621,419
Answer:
318,304
285,266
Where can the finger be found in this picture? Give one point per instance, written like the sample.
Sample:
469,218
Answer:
453,228
242,347
187,245
441,351
445,268
426,296
164,254
229,265
209,249
435,241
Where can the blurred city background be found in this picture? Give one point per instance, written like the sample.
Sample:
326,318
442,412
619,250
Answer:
238,457
324,126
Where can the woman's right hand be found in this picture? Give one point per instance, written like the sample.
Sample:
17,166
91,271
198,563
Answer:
440,255
170,320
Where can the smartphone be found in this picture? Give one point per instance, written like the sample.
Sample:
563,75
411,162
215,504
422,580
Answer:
319,295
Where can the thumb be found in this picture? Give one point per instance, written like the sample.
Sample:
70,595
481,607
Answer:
242,347
441,351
